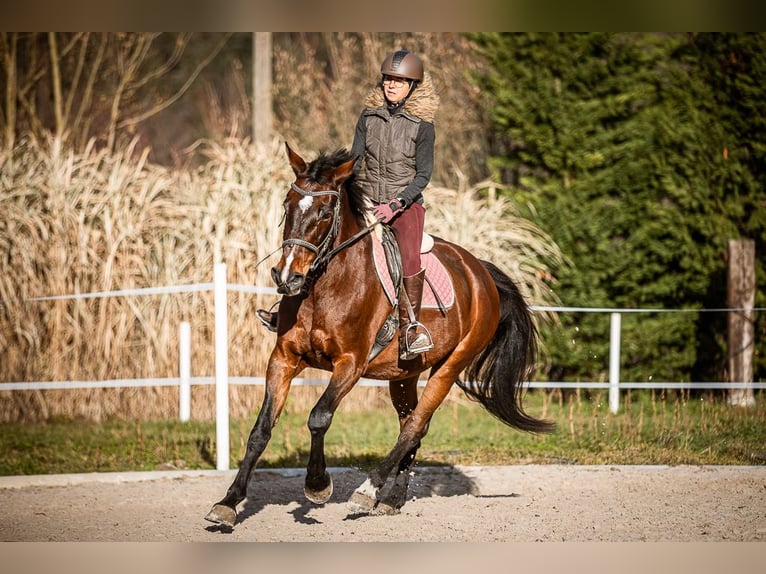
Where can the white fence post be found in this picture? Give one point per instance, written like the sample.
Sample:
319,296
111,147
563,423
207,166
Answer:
615,325
184,371
221,367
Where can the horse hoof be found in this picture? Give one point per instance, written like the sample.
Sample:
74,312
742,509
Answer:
319,496
384,509
364,498
222,515
360,503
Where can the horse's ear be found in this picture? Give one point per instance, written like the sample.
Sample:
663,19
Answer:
296,161
343,171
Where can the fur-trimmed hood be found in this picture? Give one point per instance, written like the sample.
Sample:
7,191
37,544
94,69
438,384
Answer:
421,103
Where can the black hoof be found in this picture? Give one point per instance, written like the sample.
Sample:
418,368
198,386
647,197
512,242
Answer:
222,515
321,494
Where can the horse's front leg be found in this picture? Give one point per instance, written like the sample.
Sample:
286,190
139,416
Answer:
318,487
279,374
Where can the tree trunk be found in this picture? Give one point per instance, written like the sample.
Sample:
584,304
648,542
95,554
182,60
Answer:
10,66
262,109
741,298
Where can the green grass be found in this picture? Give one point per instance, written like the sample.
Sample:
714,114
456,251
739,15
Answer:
649,429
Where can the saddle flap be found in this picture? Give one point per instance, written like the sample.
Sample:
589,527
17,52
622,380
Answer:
439,283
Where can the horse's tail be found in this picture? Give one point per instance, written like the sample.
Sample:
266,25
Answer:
495,377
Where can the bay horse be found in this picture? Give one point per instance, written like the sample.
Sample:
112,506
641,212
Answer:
333,307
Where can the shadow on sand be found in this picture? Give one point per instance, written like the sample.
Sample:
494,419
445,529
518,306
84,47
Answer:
285,487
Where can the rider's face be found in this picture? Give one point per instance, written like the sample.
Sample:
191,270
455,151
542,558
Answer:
395,89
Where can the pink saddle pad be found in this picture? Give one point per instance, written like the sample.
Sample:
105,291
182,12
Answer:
435,272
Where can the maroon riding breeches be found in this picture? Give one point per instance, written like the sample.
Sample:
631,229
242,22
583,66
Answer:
408,228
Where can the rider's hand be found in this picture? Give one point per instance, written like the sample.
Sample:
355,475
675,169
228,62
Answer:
385,212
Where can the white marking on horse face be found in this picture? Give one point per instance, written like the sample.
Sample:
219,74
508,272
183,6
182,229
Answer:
288,265
305,203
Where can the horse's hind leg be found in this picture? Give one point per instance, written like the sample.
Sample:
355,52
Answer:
404,396
413,429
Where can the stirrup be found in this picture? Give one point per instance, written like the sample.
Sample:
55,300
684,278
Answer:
423,341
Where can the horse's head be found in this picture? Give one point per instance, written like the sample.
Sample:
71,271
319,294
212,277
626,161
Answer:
312,216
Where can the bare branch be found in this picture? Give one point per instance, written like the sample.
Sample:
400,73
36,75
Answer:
175,97
69,46
83,38
180,46
87,96
129,60
35,69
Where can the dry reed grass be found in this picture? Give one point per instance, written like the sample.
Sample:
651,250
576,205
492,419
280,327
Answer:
85,222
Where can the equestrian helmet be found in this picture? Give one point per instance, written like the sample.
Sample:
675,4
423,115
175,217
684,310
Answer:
403,64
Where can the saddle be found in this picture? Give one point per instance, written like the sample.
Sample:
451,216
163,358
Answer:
440,293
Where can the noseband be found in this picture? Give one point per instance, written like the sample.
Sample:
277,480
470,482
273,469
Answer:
322,250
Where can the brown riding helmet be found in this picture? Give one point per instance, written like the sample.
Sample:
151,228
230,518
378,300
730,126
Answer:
403,64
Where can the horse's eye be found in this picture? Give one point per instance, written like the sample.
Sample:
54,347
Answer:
325,213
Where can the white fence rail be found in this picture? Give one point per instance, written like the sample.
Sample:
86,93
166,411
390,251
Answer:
222,380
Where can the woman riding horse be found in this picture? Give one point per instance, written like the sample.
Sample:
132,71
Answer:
332,309
394,136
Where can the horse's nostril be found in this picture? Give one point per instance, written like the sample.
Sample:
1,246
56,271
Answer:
275,275
297,281
290,285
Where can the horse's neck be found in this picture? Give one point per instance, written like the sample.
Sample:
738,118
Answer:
355,261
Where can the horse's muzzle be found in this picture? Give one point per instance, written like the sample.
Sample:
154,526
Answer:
290,285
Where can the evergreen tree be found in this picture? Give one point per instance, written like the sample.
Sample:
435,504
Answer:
618,143
733,66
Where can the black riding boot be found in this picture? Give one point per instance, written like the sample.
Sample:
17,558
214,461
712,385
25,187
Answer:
269,319
414,338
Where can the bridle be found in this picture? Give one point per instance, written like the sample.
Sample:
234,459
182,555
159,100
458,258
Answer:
324,251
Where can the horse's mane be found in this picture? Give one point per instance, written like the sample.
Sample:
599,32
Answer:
320,170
